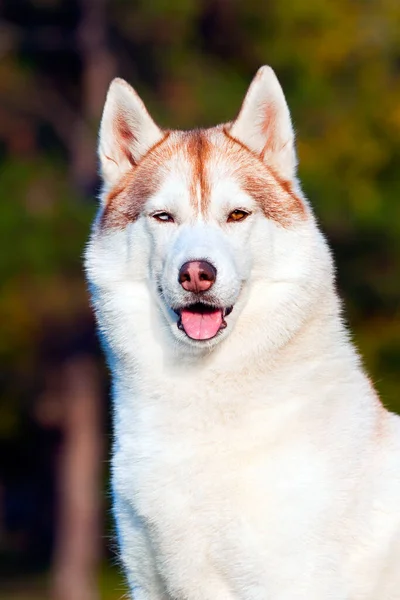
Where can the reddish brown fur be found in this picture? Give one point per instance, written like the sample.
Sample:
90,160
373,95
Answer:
268,127
275,196
295,204
198,150
125,201
125,136
275,203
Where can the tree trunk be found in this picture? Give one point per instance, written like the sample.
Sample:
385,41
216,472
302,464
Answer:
78,541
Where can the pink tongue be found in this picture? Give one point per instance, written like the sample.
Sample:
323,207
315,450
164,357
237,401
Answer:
200,326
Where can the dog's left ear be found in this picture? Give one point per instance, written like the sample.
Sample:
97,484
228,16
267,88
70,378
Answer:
264,124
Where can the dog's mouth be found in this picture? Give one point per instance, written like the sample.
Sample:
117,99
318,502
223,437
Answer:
202,322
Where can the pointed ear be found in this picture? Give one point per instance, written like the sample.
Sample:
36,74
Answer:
264,125
127,132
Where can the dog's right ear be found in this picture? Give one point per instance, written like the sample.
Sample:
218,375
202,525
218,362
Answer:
127,132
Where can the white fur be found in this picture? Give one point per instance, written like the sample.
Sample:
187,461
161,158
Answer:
124,104
265,96
259,465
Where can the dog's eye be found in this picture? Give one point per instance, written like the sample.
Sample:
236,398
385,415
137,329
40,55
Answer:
237,215
164,217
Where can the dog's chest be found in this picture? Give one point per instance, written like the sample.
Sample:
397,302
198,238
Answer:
227,485
215,486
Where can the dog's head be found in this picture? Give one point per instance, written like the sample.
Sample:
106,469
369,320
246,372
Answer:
211,221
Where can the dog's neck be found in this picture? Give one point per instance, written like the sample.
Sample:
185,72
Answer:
151,366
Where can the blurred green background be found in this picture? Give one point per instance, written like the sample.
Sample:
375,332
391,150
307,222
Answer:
191,61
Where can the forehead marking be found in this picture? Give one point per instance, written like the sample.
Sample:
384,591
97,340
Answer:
198,149
275,196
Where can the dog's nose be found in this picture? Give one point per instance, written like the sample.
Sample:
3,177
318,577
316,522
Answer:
197,276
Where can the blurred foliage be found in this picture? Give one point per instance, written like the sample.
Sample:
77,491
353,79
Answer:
191,60
111,585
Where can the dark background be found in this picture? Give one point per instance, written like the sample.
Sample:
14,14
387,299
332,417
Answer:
191,61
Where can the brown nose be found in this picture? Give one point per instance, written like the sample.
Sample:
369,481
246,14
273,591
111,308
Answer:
197,276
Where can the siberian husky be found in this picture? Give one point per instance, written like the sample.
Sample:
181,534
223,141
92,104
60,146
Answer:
252,458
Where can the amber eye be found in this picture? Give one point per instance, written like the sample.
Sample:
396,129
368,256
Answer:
164,217
237,215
